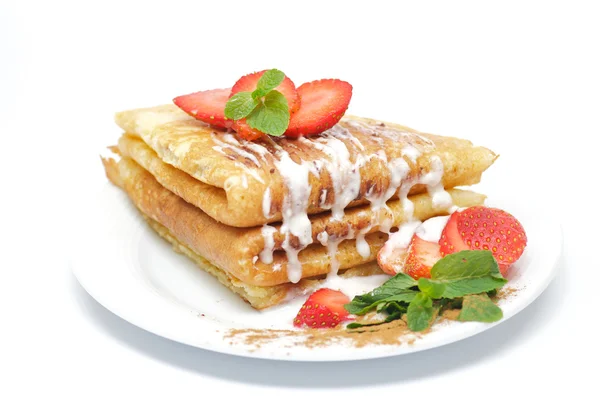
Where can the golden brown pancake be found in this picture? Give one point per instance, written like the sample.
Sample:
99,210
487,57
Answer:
229,178
237,251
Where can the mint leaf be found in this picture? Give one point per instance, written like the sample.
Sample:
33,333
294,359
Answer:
267,82
393,307
394,289
432,289
460,287
463,273
240,105
479,308
466,264
389,318
395,284
360,305
420,313
272,116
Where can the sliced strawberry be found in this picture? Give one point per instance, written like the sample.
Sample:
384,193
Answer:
391,259
324,102
422,255
245,131
485,228
323,309
287,88
208,106
451,241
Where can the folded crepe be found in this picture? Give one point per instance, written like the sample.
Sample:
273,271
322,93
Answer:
270,218
246,254
244,184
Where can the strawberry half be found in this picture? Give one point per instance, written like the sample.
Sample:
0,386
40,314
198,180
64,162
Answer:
324,102
323,309
485,228
422,256
208,106
287,88
451,241
391,261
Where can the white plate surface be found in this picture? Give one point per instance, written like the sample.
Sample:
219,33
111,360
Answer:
132,272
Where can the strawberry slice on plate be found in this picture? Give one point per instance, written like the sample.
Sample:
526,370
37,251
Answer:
323,309
287,88
323,103
485,228
208,106
422,256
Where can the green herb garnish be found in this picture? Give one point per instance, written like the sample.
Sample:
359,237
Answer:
461,280
265,109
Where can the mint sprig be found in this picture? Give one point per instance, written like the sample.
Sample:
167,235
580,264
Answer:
240,105
272,116
462,280
479,308
265,109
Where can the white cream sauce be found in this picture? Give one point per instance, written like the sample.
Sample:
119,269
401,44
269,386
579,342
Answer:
400,239
431,230
266,255
345,174
266,203
294,212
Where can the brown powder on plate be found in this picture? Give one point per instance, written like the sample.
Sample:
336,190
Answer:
393,333
505,292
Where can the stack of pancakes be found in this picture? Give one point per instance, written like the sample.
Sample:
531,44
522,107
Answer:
271,218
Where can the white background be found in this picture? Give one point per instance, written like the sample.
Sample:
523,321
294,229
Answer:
520,77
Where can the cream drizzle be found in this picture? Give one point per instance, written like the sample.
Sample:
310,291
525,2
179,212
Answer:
362,247
332,249
344,174
266,203
233,145
294,213
268,232
346,182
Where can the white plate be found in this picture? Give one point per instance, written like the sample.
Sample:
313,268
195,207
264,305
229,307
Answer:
132,272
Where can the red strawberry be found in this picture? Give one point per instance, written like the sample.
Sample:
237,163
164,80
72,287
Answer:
422,255
485,228
451,241
323,309
208,106
287,88
391,261
324,102
245,131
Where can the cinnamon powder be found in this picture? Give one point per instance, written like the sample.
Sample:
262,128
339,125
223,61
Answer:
393,333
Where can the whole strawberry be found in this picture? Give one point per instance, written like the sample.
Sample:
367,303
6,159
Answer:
485,228
323,309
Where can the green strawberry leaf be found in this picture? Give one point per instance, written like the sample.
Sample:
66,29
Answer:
479,308
463,273
272,116
240,105
267,82
421,313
